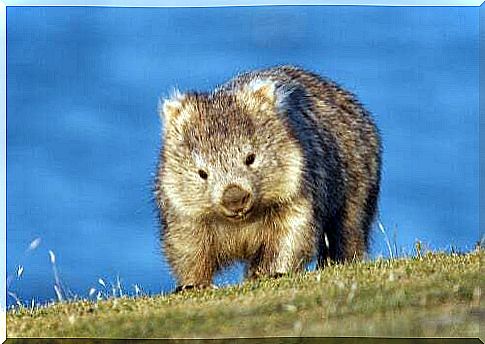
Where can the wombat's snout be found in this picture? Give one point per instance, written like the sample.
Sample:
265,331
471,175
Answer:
236,201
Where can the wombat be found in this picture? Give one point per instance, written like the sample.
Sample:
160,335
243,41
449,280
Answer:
274,168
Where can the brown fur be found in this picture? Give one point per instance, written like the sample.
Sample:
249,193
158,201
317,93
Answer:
312,189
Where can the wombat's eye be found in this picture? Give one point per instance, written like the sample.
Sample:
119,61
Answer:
202,174
250,159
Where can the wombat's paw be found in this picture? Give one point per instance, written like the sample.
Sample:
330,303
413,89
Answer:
181,288
255,274
185,287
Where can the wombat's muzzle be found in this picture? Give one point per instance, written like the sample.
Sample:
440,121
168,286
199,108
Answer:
236,202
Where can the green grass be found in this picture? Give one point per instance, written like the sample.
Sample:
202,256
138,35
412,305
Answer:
432,295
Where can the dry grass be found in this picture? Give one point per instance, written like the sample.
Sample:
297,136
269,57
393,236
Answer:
434,294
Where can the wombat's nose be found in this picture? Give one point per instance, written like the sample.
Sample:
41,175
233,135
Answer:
235,199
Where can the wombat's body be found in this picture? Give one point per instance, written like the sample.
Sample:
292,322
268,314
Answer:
273,168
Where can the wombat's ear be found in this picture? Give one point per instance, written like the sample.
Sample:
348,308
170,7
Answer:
264,89
170,108
259,92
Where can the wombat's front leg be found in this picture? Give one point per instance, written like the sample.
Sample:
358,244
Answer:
289,243
191,256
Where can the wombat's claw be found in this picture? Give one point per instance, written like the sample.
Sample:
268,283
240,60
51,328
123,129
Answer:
278,275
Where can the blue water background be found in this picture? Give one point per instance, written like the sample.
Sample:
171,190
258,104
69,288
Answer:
83,131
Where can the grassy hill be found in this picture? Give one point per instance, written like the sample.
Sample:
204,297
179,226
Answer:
432,295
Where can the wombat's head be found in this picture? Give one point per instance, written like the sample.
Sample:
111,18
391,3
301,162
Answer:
230,153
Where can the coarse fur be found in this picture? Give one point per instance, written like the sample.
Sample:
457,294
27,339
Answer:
273,168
